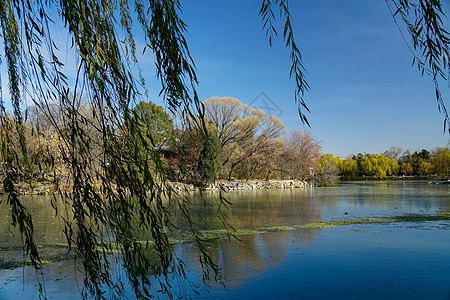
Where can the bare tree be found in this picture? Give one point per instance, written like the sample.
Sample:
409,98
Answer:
243,131
301,155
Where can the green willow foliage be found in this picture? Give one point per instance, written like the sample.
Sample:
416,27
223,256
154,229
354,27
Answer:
117,195
424,20
297,70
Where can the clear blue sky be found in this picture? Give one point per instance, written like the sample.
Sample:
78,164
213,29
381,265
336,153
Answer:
364,97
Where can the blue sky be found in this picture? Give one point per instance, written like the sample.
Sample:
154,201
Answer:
364,97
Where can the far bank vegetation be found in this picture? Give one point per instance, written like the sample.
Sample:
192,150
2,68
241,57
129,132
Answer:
241,143
394,162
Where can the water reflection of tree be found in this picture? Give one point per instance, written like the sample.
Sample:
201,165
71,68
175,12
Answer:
47,227
254,254
259,209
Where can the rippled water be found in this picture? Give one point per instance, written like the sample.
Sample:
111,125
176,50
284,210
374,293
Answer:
368,261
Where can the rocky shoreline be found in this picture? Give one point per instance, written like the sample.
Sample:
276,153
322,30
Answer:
243,185
39,188
48,188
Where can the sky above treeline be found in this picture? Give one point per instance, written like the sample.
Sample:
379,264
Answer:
365,95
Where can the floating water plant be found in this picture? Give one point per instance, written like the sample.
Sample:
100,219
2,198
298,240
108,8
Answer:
52,252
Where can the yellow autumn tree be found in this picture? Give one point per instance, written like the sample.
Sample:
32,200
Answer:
350,168
441,161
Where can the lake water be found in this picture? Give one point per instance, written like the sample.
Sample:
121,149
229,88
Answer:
409,260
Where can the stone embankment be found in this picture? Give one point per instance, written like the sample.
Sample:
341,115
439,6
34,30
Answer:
24,188
243,185
46,188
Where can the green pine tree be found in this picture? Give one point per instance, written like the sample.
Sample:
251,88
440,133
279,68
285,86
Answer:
210,161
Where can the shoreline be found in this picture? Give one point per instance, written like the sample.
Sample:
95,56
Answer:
49,188
234,185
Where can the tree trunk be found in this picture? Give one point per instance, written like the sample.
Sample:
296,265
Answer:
251,173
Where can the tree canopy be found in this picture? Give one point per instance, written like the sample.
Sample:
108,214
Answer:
243,131
151,120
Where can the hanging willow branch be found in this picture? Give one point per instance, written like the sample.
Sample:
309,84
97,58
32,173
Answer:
297,71
424,20
117,194
119,197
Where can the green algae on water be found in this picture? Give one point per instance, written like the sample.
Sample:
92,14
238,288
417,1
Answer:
440,216
54,256
336,223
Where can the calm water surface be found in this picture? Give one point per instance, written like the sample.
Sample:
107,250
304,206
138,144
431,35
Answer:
368,261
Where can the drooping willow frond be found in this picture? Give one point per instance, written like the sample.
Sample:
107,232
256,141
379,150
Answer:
297,70
115,193
430,41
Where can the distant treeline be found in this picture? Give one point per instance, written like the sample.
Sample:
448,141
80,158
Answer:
393,162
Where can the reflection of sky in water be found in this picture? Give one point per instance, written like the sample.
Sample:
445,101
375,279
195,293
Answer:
368,261
398,261
382,199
